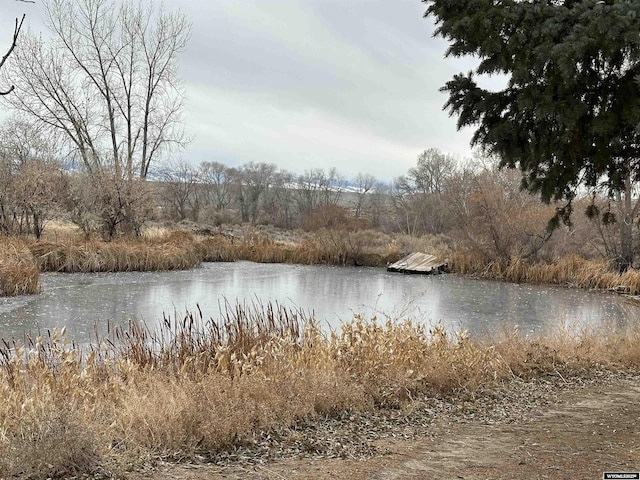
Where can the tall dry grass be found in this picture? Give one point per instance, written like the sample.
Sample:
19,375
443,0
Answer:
166,250
197,387
253,247
570,270
322,247
19,274
172,251
21,260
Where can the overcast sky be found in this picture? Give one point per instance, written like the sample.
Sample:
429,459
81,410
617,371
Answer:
351,84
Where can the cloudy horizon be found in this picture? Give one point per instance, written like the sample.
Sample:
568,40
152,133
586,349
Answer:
308,83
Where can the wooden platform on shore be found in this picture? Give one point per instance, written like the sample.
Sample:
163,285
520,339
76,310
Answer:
420,263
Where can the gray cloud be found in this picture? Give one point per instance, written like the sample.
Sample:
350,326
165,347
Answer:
310,83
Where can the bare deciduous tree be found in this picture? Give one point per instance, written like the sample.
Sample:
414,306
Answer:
363,182
378,203
277,201
418,195
253,181
180,190
317,188
432,171
107,80
217,182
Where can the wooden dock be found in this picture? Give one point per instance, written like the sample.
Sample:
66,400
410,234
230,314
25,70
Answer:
420,263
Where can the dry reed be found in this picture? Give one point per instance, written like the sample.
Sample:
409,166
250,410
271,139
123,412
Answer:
176,250
194,386
19,274
570,270
323,247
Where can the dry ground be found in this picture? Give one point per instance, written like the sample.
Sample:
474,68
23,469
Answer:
575,432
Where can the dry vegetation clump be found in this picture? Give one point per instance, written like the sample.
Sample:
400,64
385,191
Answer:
173,251
369,248
566,349
44,432
254,248
262,249
217,248
396,361
19,273
199,387
322,247
570,270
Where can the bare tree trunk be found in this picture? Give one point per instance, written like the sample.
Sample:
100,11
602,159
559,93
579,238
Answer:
627,212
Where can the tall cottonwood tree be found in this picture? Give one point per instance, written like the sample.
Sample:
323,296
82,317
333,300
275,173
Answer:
106,78
418,195
569,114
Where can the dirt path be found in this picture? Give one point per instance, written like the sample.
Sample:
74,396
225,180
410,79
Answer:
579,435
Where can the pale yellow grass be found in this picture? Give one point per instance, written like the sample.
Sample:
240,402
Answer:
200,387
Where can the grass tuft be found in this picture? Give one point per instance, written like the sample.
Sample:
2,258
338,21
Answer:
19,274
172,251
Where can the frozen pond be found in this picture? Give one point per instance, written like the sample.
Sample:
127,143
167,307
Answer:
84,302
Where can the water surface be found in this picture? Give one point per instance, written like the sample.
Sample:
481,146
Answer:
86,302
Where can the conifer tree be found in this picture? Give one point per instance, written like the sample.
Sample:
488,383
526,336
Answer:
569,115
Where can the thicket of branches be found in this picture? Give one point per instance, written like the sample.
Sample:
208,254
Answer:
475,204
102,86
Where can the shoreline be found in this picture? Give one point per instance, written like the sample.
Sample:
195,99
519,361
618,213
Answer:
24,259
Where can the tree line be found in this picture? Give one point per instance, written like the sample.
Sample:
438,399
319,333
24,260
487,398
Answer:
471,203
102,91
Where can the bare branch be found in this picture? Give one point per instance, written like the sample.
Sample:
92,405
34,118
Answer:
16,32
